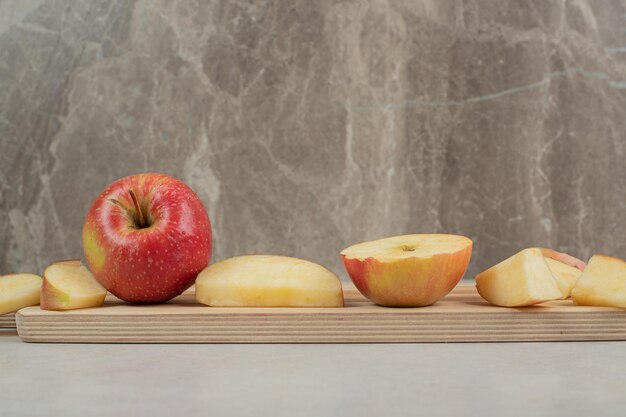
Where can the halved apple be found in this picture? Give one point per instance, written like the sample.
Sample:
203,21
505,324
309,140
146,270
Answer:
603,283
18,291
68,285
409,270
521,280
268,281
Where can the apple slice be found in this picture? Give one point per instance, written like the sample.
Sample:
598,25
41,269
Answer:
268,281
565,276
19,291
603,283
409,270
68,285
521,280
565,269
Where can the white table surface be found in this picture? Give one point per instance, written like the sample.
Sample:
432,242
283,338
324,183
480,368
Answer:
494,379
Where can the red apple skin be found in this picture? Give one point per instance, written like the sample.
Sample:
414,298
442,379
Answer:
152,264
410,282
564,258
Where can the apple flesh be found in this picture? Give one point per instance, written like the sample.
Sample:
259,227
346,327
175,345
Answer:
18,291
565,269
565,276
603,283
68,285
521,280
268,281
146,238
409,270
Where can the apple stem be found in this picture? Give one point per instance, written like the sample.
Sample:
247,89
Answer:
142,220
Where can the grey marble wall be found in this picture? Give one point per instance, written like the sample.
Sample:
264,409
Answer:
306,126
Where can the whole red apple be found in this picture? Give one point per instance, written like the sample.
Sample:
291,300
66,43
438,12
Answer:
146,238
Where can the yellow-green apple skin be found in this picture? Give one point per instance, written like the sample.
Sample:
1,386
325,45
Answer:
146,237
268,281
521,280
68,285
409,270
603,283
18,291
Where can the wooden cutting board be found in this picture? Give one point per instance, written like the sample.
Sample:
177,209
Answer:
460,317
7,321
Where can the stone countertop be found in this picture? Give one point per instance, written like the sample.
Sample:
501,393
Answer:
359,379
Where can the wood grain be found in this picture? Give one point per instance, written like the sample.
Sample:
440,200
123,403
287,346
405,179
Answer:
7,321
460,317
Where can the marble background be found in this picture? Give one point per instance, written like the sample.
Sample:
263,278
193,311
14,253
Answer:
306,126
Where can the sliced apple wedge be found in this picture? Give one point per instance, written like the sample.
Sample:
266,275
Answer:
521,280
68,285
268,281
564,275
603,283
19,291
565,269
